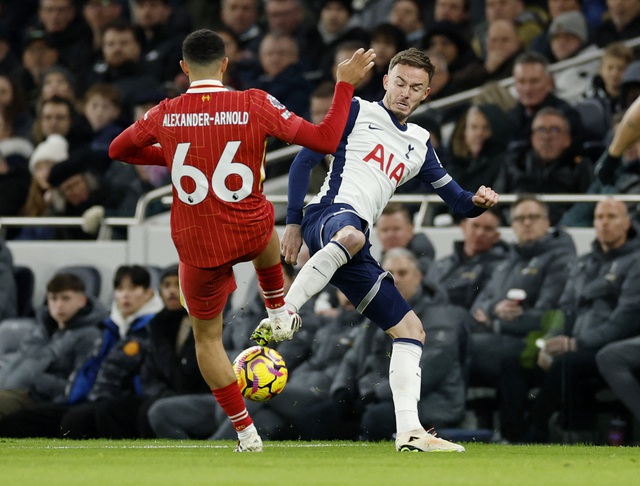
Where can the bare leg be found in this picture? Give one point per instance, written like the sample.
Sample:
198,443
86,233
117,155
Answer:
213,361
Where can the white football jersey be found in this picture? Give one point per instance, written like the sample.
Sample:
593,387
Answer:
376,155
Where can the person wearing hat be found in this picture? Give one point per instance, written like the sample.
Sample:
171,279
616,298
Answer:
53,150
40,198
569,37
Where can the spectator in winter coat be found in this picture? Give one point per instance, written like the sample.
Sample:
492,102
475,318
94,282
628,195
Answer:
112,368
599,305
168,367
465,272
60,341
538,266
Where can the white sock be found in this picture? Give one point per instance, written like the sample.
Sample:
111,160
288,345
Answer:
404,380
247,431
280,312
315,274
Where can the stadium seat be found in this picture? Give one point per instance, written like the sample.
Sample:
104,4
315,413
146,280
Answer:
12,332
89,274
25,284
593,118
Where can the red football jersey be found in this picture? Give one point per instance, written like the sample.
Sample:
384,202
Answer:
214,143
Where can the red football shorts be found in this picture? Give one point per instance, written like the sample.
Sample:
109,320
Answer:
205,290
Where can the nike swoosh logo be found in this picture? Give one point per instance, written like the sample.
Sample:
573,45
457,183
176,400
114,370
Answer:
373,127
314,267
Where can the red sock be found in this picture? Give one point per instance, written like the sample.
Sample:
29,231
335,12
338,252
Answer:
232,402
272,284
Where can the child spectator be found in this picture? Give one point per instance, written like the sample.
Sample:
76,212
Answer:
605,85
101,108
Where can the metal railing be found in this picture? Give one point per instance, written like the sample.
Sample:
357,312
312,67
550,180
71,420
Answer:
164,194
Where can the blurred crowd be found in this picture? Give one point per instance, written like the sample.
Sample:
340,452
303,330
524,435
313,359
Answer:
74,73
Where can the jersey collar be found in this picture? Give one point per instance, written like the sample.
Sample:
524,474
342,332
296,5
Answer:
206,86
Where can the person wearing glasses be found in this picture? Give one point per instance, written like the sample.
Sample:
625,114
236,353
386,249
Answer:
599,305
550,165
521,289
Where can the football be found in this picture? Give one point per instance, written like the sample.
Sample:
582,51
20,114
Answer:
261,373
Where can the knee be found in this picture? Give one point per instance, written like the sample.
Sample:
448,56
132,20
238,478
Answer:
352,239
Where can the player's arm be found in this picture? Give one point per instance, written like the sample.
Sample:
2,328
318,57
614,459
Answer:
125,148
325,137
627,133
299,176
463,203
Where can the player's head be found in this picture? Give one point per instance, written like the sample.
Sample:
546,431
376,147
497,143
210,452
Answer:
203,50
407,82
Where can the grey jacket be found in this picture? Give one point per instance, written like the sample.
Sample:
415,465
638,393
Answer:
540,268
8,291
464,278
49,355
600,301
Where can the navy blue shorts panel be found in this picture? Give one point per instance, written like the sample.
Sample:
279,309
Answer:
321,222
388,307
362,278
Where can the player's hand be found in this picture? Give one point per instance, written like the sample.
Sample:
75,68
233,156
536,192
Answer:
354,70
291,242
485,197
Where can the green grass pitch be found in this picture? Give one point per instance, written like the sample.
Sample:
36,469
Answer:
191,463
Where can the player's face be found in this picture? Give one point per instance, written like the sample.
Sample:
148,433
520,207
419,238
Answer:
406,87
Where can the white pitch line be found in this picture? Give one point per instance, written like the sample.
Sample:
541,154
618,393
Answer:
271,445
